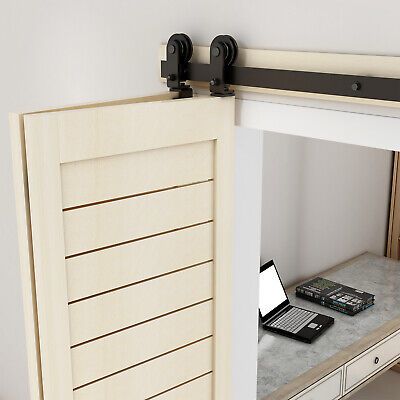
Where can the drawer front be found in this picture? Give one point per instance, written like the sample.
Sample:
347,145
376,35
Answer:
328,388
372,361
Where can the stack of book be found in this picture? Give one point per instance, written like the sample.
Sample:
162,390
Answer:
334,295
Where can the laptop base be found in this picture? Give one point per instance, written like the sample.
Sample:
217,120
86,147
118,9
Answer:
306,334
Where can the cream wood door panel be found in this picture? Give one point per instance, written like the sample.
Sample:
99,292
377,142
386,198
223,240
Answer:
115,253
96,227
372,361
107,178
140,343
154,377
118,266
125,307
328,388
198,389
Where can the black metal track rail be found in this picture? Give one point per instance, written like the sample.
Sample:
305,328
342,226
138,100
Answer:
355,86
365,87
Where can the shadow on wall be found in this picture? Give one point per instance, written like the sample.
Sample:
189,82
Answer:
323,203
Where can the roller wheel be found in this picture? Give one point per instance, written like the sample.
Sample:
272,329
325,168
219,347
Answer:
185,45
230,45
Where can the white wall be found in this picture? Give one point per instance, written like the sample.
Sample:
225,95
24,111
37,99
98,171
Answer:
248,204
55,53
323,203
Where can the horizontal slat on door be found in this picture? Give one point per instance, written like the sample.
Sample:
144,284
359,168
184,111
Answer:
119,309
116,352
153,377
98,226
100,271
198,389
100,179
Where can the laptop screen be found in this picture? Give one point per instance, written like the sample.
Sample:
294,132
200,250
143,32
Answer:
272,295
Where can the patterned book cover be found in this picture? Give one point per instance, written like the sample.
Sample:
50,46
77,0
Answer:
335,307
336,294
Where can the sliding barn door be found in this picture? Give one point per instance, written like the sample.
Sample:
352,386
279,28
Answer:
131,213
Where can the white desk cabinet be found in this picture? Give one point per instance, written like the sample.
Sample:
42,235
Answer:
345,379
371,361
356,372
329,388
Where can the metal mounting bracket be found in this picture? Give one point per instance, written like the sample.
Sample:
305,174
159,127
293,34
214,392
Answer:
223,53
179,51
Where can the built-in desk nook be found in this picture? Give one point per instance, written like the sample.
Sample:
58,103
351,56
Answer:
353,350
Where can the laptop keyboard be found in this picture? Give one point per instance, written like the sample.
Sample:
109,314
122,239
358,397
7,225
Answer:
294,320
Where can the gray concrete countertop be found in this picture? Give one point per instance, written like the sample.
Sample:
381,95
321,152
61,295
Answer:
281,359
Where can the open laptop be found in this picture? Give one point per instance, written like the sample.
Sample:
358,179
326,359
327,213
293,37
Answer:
277,315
